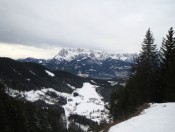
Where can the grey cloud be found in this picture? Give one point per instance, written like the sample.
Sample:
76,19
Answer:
101,24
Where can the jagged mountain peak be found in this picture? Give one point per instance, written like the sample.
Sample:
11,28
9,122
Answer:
73,53
69,54
86,62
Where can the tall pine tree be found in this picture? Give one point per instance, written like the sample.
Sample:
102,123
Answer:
149,53
166,50
168,65
148,64
142,85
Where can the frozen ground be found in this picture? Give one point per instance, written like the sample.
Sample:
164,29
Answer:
157,118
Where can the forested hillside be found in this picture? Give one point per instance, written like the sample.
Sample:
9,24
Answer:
23,116
30,90
151,80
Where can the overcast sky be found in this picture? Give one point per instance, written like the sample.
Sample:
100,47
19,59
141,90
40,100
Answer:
40,28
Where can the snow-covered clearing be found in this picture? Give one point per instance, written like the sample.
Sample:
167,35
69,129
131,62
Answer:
88,103
157,118
83,101
35,95
113,83
50,73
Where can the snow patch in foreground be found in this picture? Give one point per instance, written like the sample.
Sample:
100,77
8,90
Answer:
50,73
157,118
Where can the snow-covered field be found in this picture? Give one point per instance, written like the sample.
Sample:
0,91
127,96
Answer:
157,118
83,101
35,95
88,103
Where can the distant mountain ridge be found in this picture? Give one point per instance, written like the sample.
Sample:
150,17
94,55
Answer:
88,63
76,53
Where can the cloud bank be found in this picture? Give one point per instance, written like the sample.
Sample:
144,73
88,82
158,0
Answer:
112,25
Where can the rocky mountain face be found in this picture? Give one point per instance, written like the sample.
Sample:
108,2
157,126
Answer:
88,63
82,102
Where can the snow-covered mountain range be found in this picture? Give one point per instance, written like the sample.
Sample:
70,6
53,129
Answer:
88,63
79,53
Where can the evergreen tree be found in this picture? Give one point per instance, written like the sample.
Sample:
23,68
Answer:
166,50
168,66
149,53
142,85
148,65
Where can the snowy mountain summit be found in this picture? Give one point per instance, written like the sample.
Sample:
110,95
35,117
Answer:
80,53
89,63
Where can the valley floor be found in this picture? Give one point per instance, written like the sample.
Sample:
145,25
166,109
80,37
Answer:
157,118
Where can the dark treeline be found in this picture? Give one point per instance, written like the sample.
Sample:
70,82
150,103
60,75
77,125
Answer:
23,116
152,77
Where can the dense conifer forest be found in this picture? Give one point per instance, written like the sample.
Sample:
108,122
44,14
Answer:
151,80
23,116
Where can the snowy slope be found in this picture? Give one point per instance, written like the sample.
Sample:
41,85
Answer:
83,101
157,118
88,103
50,73
35,95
